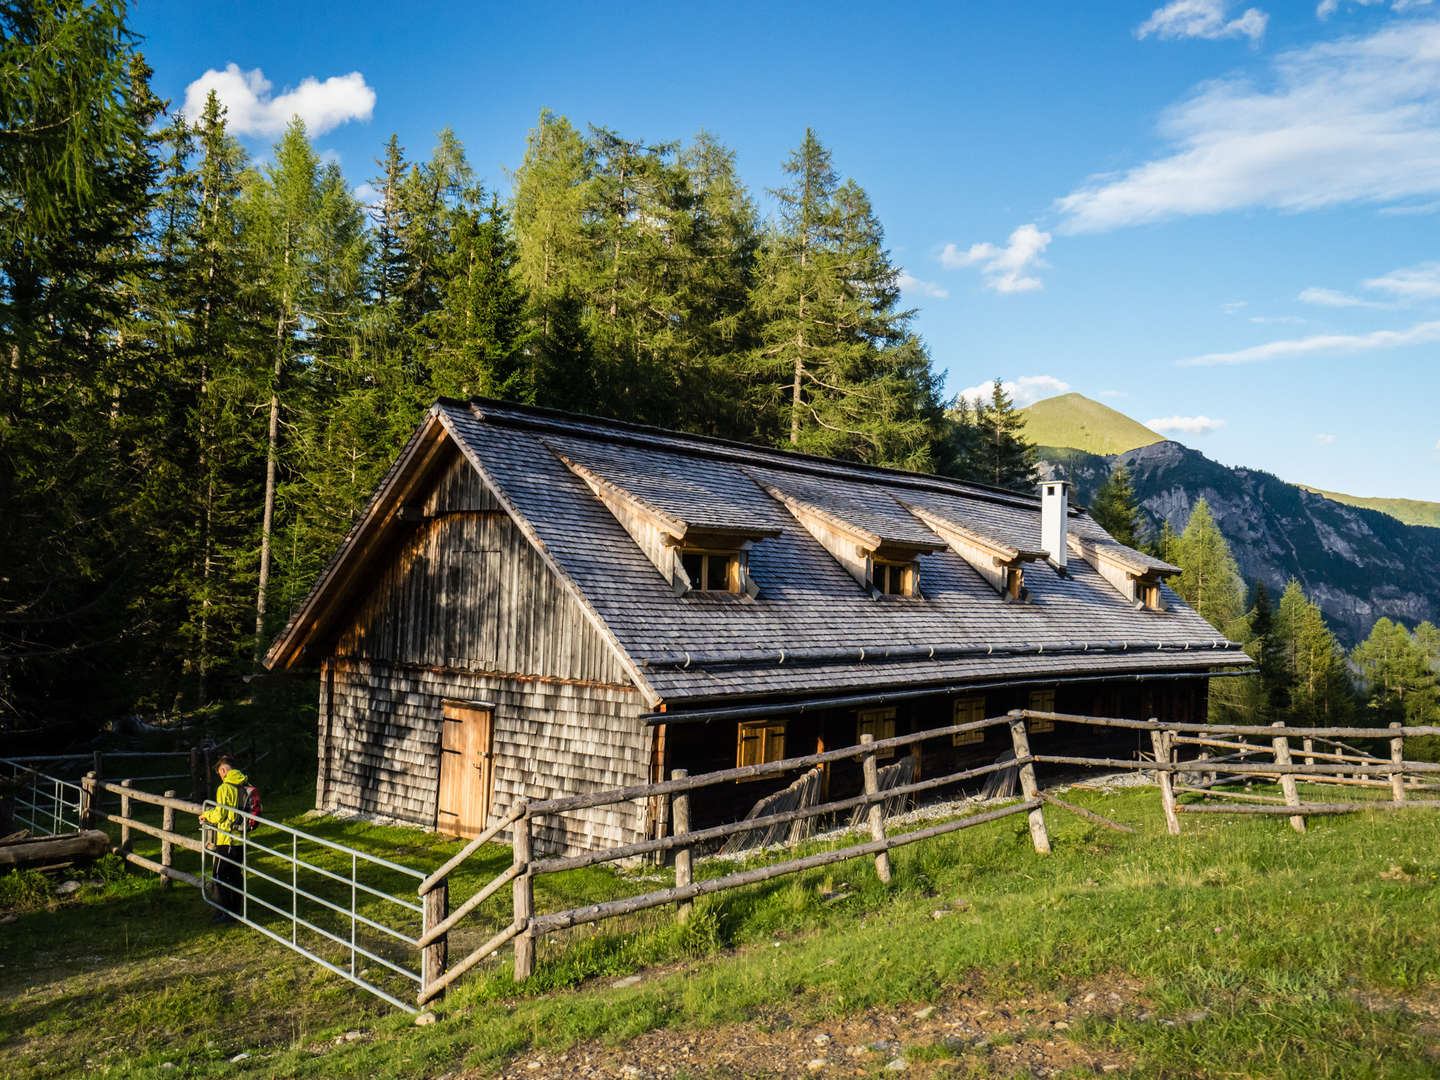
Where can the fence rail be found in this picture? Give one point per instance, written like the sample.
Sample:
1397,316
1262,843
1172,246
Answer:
350,926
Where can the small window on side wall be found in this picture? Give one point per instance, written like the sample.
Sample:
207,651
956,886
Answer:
759,742
1042,701
711,571
969,710
877,722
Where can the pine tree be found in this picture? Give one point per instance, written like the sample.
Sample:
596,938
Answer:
1271,691
1115,507
1006,458
1320,689
553,264
1395,671
1209,581
77,180
837,359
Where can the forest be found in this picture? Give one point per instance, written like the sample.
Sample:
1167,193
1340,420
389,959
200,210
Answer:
209,361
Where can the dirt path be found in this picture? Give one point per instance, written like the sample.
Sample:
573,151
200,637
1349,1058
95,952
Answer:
960,1036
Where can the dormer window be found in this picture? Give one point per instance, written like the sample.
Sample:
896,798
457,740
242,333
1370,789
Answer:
884,562
711,571
999,563
893,578
694,546
1137,576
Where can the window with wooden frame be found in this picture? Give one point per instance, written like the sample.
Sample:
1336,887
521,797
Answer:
1148,593
1042,701
893,578
877,722
759,741
968,710
711,571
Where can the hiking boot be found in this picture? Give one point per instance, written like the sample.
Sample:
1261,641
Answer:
221,917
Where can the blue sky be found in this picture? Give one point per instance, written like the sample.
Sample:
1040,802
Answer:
1218,216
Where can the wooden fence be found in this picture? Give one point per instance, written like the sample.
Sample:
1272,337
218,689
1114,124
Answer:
1401,777
1194,765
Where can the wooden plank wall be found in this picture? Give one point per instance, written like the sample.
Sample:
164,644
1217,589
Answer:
468,591
467,609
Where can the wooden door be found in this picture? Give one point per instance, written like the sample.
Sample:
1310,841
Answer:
467,769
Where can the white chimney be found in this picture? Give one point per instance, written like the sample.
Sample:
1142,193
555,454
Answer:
1054,509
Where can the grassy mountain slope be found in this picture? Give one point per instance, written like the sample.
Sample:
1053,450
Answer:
1074,420
1410,511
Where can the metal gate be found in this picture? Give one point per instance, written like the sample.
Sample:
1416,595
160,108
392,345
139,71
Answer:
335,905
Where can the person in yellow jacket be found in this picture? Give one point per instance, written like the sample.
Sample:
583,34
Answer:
229,830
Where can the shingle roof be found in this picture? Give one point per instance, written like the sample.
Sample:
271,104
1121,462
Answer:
812,629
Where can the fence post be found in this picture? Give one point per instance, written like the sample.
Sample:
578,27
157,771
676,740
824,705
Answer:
877,810
99,795
1287,780
680,813
1163,756
524,893
1397,758
197,777
125,818
437,954
1028,787
167,847
1308,745
87,801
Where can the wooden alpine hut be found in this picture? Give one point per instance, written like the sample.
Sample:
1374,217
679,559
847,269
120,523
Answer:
538,604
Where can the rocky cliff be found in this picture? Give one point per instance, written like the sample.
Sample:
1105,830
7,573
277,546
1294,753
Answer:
1357,564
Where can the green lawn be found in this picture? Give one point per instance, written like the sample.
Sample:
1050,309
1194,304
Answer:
1308,956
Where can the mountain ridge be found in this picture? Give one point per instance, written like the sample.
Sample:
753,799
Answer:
1358,564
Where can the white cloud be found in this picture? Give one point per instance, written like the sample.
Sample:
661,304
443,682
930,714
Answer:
1326,8
1234,306
1202,19
1186,425
1412,209
1334,123
1420,334
1437,445
924,288
1420,282
1325,438
1333,298
1266,319
1026,390
1004,269
253,110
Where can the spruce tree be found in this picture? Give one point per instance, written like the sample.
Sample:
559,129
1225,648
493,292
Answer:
1115,507
1006,458
837,360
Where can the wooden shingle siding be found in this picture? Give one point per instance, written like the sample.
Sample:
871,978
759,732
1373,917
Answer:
551,738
